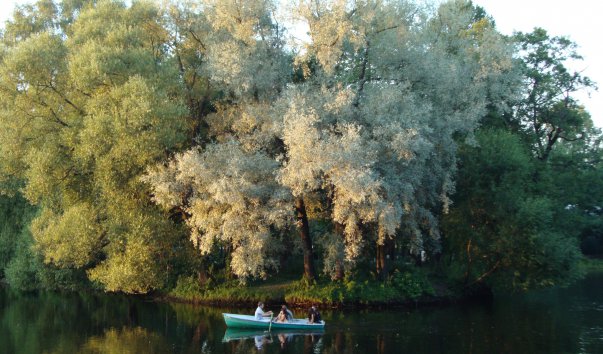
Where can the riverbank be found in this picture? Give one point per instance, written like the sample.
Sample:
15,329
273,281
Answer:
404,289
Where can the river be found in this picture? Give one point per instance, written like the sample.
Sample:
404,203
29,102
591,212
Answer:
556,320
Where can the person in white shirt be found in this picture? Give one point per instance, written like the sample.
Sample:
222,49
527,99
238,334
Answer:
259,312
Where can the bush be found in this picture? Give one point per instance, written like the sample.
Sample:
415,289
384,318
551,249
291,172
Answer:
401,287
187,287
412,285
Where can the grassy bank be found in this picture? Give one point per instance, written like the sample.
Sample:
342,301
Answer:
402,288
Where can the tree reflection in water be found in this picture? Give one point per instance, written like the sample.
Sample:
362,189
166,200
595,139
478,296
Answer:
126,341
549,321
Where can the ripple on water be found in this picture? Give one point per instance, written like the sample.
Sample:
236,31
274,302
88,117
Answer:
590,306
591,339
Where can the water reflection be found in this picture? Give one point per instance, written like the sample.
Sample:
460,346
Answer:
283,338
552,321
125,341
241,339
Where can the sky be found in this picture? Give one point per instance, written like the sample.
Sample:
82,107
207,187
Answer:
579,20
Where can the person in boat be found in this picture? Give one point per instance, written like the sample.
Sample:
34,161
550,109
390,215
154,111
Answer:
314,315
285,315
259,312
288,313
282,317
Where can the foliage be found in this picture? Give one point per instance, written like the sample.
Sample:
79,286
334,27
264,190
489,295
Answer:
22,264
375,139
548,112
401,287
501,229
591,265
180,144
187,288
574,173
15,214
86,106
234,200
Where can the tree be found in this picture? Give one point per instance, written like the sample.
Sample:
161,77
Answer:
501,231
560,131
574,183
233,199
370,126
548,112
245,62
382,146
234,134
108,74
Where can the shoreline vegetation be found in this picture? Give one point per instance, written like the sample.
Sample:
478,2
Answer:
323,293
403,290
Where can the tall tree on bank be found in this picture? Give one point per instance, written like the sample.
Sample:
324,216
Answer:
376,117
560,131
548,112
532,187
87,103
370,126
236,201
501,232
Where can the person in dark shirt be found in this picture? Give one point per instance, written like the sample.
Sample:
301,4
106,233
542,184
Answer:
314,315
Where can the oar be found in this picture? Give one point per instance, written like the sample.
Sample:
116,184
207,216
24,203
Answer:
270,325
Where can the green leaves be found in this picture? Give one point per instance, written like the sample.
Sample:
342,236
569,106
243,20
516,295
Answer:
85,108
71,239
548,112
501,229
106,106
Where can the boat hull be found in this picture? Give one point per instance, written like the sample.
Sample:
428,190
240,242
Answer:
245,321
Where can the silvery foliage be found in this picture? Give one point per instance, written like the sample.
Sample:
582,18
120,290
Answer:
373,123
385,142
234,200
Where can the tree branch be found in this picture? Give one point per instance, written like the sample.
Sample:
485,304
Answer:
481,277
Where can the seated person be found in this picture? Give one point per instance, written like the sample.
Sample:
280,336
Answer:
287,312
314,315
282,317
259,312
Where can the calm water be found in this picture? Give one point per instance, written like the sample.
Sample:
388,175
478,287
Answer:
553,321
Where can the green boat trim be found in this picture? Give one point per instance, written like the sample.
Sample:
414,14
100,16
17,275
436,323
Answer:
246,321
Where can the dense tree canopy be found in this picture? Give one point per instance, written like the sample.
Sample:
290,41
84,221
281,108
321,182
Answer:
85,109
153,141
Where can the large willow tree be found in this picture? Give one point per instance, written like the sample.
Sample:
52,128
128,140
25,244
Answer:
90,95
364,125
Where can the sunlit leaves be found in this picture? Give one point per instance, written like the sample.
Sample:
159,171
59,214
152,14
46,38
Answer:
232,197
86,106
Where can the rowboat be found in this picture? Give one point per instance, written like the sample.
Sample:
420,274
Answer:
246,321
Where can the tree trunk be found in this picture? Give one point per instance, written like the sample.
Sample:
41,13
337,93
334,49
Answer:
384,258
304,233
380,259
339,273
